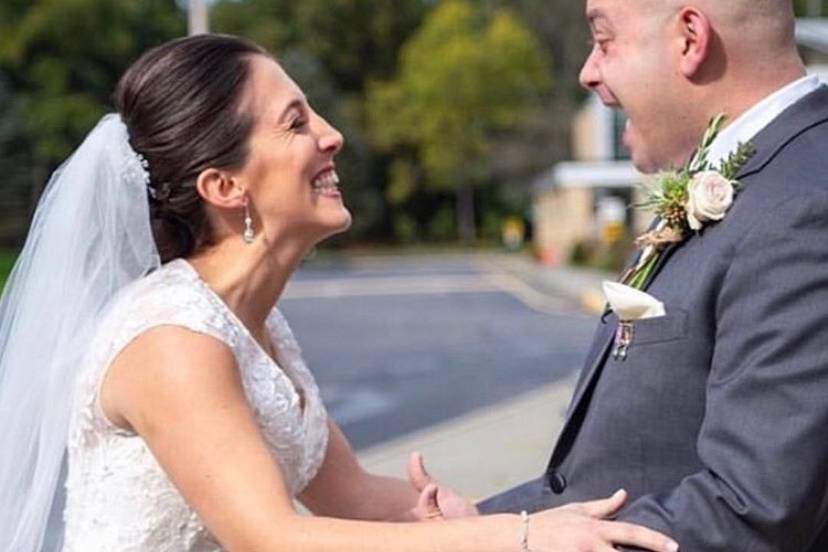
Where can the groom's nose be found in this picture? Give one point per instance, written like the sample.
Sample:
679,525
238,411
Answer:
590,76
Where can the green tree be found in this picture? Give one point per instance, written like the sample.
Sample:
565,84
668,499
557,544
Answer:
61,60
355,40
15,200
465,78
561,28
811,8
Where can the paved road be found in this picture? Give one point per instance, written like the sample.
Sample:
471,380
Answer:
399,344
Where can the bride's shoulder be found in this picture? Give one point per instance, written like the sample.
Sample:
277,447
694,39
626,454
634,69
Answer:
165,312
170,296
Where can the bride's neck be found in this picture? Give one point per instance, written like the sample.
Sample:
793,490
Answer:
249,278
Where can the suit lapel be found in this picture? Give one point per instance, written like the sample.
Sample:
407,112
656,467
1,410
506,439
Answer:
661,261
592,368
597,356
603,338
807,113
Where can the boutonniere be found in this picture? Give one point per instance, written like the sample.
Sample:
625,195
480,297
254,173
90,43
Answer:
687,199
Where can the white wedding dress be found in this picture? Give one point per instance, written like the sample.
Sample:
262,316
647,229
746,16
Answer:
118,497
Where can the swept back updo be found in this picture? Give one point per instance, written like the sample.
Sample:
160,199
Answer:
181,103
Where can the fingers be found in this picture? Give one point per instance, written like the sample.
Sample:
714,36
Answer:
619,532
427,507
604,507
417,474
603,547
453,505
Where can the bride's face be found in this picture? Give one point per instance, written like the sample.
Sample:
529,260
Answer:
290,174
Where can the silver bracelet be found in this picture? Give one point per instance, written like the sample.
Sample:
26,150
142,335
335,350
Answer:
524,532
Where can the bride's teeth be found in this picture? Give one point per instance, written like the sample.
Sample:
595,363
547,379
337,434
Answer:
326,180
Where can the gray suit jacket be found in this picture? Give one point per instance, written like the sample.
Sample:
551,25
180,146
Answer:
717,421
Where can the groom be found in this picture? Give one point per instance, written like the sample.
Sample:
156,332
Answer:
716,421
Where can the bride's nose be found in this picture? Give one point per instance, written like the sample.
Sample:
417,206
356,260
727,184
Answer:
329,140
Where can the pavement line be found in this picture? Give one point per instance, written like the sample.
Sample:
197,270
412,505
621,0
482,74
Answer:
395,285
589,296
488,282
526,294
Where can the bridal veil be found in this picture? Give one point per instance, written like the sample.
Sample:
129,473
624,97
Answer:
90,236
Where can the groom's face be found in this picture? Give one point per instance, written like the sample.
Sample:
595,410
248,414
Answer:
629,68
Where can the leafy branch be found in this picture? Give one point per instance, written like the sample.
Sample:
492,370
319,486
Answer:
736,160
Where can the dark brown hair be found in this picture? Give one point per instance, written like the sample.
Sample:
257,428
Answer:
181,103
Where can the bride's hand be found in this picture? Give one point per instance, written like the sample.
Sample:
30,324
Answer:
436,501
582,527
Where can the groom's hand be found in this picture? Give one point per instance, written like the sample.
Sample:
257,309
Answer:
435,501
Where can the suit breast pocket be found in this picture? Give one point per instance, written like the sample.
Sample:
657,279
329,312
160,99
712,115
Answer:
662,329
642,383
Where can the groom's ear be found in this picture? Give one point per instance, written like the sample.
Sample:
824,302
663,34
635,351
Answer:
695,36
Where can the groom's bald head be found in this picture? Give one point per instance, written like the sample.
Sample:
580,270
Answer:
741,8
748,40
768,24
755,26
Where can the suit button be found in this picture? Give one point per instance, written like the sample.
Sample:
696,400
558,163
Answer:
557,482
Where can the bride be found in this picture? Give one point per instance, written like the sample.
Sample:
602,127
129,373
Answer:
141,346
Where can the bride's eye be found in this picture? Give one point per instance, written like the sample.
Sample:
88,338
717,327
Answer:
298,123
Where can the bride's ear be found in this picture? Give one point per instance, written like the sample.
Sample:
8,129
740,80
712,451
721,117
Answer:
695,36
221,189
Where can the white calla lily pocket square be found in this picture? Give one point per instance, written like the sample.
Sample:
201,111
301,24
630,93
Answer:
629,304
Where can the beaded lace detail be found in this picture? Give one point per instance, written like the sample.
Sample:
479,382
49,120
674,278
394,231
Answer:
118,496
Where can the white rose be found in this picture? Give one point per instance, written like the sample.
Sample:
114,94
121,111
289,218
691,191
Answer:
709,196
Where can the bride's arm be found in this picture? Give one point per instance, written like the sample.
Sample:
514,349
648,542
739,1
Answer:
343,489
182,393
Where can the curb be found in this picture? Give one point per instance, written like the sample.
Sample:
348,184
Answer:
593,300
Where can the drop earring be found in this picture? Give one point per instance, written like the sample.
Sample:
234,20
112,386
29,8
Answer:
248,235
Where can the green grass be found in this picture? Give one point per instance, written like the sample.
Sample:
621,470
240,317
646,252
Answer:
7,259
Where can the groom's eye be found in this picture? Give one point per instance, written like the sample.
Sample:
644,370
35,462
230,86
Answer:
599,42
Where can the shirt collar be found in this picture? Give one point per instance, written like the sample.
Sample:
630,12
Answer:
752,121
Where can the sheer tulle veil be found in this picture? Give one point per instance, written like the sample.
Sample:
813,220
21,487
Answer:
90,236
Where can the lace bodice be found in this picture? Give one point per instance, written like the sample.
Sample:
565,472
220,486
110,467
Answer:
118,496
